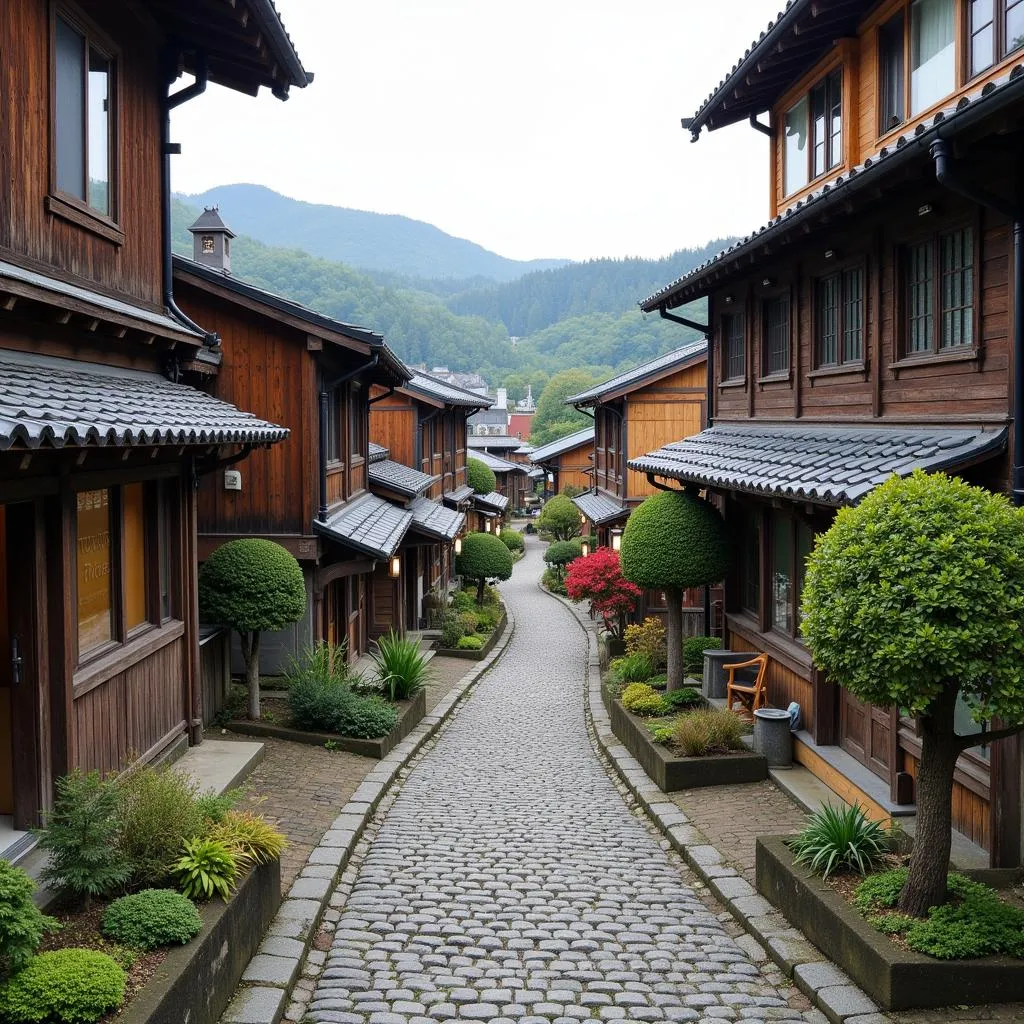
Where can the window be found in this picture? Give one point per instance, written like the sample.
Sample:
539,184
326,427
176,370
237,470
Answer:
750,563
775,325
839,305
94,553
208,246
814,133
83,116
332,443
357,436
892,69
996,31
134,557
733,345
932,53
781,608
946,303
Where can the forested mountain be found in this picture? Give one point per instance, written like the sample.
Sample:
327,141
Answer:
542,298
370,241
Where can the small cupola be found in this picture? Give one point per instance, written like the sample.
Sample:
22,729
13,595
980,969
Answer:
211,240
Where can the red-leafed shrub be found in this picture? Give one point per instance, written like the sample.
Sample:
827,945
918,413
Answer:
599,580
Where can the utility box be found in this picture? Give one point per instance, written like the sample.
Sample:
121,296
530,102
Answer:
232,479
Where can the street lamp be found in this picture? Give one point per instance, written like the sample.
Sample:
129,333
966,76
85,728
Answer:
487,526
395,567
497,530
585,549
458,545
616,540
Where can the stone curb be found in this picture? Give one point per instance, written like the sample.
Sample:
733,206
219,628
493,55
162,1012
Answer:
274,969
770,935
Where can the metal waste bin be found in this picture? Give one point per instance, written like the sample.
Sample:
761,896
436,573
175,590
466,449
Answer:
772,736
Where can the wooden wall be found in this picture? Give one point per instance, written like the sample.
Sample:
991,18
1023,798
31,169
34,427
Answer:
574,466
128,263
393,424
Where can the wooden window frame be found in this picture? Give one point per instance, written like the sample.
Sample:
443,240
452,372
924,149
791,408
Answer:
726,319
843,362
999,51
63,204
333,442
884,127
783,299
794,524
834,160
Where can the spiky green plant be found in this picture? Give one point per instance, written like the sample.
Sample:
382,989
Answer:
840,838
401,665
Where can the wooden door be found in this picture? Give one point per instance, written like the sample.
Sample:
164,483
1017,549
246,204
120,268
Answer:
865,731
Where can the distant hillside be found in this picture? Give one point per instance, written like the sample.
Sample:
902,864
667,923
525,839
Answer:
370,241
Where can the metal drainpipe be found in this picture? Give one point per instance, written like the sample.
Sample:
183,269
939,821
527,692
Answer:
946,175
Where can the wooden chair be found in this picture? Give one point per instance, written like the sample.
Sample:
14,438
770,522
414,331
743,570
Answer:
750,696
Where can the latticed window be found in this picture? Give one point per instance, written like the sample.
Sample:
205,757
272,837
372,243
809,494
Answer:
939,282
920,298
957,251
775,320
839,302
733,346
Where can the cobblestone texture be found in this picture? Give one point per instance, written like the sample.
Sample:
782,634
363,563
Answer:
509,881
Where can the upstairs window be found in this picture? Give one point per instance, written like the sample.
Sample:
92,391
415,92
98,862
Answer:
814,133
733,347
775,332
939,293
839,309
332,442
996,31
932,53
891,74
83,109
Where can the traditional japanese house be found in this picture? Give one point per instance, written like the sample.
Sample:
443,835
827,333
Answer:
101,436
512,479
311,494
568,462
872,326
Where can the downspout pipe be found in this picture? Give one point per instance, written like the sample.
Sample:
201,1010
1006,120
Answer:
326,387
947,176
167,150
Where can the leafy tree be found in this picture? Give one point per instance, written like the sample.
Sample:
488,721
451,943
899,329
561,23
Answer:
551,407
598,579
483,558
559,518
480,477
913,598
560,553
673,541
251,585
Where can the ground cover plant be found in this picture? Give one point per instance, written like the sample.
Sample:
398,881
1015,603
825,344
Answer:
68,986
648,638
841,839
152,918
465,625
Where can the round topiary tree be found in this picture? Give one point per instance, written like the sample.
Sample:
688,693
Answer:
672,541
483,558
913,597
251,585
559,518
560,553
480,476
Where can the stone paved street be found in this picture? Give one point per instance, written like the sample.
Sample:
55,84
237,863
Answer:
509,881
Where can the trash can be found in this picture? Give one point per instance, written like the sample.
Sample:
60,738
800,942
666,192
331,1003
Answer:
772,736
715,661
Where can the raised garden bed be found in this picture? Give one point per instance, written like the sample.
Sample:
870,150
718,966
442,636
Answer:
896,978
410,714
671,772
454,652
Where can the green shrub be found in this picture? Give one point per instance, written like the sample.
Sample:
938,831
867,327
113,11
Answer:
159,809
480,476
213,805
659,682
660,732
676,700
559,519
709,731
483,558
693,652
554,582
366,718
487,618
562,552
251,838
152,918
401,666
648,707
513,540
470,643
648,638
81,837
636,668
463,601
635,692
21,923
65,986
317,702
469,621
840,839
206,868
452,630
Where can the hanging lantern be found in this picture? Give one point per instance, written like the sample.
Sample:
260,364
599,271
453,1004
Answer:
616,540
458,545
585,548
395,567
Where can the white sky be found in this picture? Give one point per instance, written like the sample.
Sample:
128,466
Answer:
537,128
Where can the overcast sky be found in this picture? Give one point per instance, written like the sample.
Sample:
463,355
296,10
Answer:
537,128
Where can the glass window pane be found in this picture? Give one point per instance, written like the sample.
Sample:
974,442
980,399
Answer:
1014,26
835,101
69,53
932,53
99,132
93,548
750,592
134,557
828,321
782,569
890,57
167,492
853,316
920,284
796,147
776,335
819,129
965,725
804,544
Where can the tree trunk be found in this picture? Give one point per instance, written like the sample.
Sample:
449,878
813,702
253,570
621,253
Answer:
480,584
251,654
674,638
929,863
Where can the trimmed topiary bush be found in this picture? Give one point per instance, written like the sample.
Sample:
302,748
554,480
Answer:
480,476
65,986
559,519
21,923
366,718
152,918
673,541
558,554
469,643
483,558
513,540
250,586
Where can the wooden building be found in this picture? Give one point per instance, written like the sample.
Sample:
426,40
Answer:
101,435
513,480
871,327
567,462
311,494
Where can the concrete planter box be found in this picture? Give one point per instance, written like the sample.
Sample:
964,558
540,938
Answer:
196,981
410,714
452,652
896,979
671,773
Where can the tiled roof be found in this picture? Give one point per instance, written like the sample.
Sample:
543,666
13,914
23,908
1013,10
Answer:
458,495
450,394
492,501
494,441
526,449
564,444
378,452
496,465
976,103
54,403
369,525
834,465
396,477
433,519
210,219
599,509
641,374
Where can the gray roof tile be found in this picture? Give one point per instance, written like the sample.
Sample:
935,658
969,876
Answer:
433,519
491,502
369,525
458,495
496,465
786,461
564,444
396,477
640,374
500,441
450,394
598,508
53,403
378,452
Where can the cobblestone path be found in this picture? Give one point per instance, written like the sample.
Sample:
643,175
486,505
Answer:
510,882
